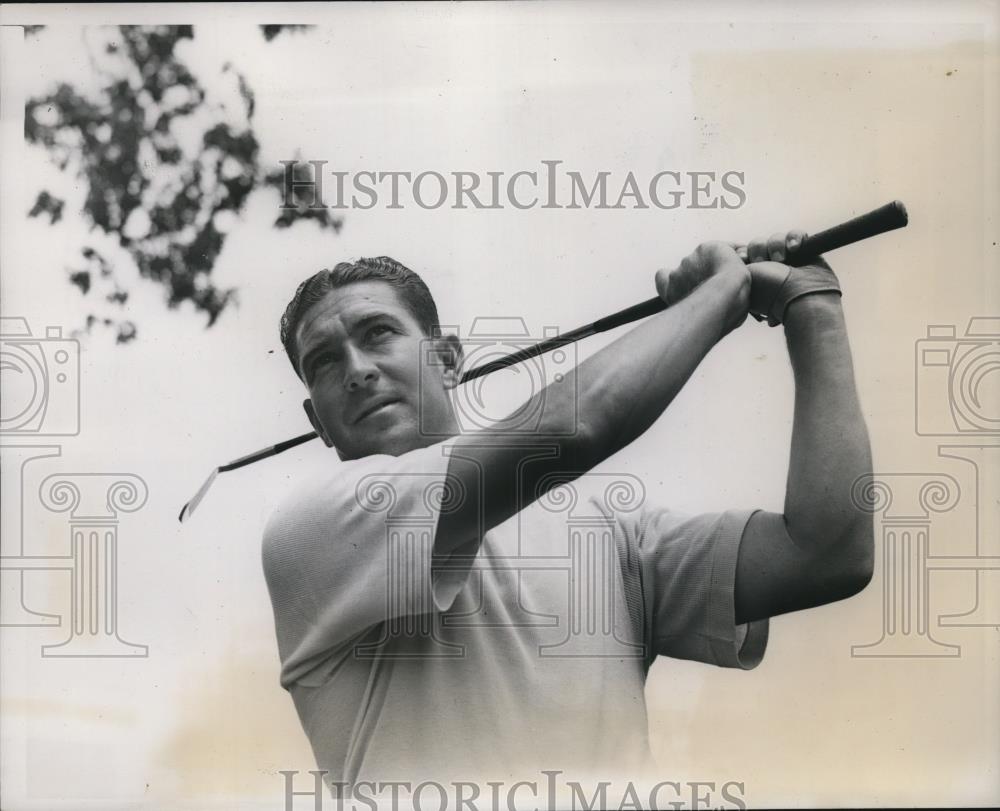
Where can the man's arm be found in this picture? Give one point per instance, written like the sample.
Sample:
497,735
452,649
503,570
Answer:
608,401
821,549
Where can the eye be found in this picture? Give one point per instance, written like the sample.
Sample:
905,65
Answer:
318,361
379,331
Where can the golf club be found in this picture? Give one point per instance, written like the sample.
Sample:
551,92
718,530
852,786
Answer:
886,218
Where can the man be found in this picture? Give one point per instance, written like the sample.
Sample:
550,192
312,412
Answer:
428,653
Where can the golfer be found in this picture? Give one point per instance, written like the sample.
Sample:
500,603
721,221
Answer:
480,691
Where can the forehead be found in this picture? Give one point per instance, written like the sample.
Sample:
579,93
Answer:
341,308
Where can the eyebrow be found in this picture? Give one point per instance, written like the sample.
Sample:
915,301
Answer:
362,323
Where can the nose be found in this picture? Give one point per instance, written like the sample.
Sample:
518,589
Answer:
359,370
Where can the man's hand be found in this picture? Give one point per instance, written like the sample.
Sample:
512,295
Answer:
775,285
710,261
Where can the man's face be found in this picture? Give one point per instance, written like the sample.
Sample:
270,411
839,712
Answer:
360,355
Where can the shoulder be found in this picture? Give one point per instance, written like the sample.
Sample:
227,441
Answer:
314,505
352,497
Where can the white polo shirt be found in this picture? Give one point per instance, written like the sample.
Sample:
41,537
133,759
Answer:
517,654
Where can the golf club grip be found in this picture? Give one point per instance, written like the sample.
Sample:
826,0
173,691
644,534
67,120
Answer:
886,218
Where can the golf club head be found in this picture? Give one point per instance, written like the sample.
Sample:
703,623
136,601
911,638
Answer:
188,509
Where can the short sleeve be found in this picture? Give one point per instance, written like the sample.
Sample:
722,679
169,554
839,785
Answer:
355,548
688,574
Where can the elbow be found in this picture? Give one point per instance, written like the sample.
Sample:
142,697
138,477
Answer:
560,420
858,578
594,437
844,567
861,542
855,561
582,448
582,438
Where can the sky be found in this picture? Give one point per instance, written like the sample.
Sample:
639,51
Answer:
827,109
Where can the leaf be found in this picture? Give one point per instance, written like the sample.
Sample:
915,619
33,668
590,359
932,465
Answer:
271,31
141,188
81,279
47,204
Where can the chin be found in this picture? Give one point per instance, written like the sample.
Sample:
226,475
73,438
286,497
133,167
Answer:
390,443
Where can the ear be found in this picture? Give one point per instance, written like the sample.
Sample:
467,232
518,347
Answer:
314,421
449,350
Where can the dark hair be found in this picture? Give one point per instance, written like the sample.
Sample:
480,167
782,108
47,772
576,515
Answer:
409,285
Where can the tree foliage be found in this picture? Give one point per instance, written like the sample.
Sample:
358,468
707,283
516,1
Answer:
166,166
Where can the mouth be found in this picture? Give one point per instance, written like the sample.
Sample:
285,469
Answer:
376,407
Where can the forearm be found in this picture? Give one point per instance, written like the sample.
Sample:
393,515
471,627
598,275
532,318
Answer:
605,403
622,390
830,447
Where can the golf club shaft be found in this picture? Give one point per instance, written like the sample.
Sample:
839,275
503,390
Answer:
886,218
